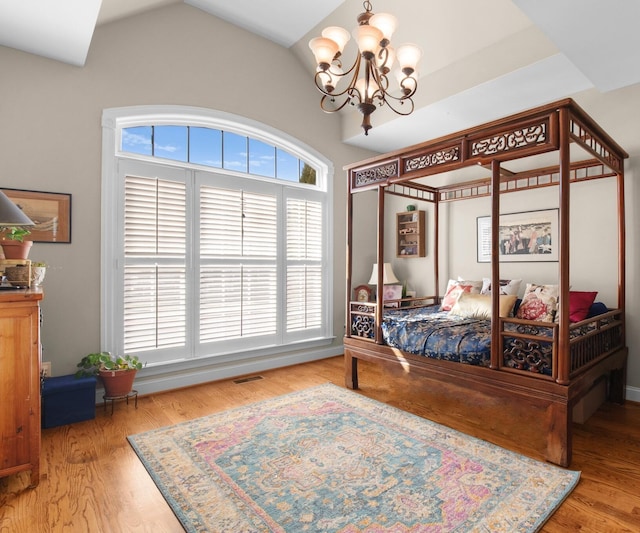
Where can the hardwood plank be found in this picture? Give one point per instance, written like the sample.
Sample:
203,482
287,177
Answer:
91,480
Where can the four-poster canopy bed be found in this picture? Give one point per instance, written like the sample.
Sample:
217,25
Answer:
550,363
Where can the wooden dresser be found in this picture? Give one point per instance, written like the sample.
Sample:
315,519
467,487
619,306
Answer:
20,382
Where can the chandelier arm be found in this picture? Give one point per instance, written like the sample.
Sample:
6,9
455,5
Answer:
392,101
331,98
349,91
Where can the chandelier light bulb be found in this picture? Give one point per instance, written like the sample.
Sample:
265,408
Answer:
386,23
324,51
365,90
368,39
330,77
338,35
408,57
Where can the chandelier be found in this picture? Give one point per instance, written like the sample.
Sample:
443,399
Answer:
368,78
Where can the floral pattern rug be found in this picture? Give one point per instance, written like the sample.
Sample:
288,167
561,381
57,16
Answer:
330,459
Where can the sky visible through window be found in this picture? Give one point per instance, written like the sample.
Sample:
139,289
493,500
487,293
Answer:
217,149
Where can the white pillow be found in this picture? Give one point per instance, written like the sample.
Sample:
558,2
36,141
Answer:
507,286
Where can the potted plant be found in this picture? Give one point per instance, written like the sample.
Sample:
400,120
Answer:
38,271
117,372
13,244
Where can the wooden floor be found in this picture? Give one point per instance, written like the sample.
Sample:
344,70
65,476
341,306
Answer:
91,480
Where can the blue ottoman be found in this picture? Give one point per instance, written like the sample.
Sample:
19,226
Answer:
67,399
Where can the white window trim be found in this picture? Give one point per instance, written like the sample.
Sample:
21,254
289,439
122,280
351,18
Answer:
115,119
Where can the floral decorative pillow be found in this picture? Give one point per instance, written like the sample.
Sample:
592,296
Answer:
539,303
507,286
455,289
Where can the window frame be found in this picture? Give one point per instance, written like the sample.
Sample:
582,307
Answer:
117,162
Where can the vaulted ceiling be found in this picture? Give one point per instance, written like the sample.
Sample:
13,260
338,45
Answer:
482,60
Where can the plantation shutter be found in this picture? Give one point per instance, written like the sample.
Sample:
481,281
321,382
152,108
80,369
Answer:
304,269
238,264
155,264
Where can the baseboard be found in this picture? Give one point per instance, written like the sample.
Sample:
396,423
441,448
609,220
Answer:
226,369
633,394
229,369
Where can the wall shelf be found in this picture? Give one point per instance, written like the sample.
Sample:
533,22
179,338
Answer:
410,230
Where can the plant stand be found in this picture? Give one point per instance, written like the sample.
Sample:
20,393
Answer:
131,394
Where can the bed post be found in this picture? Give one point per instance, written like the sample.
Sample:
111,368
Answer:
496,341
380,262
559,433
350,363
349,265
562,373
350,370
621,249
436,248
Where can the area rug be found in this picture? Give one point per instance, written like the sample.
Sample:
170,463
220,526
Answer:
330,459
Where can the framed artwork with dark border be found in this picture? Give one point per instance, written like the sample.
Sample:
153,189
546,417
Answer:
524,237
50,211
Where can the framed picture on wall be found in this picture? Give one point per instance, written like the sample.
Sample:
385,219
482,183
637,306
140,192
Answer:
524,237
50,212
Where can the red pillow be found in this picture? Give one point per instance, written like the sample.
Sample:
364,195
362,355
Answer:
579,304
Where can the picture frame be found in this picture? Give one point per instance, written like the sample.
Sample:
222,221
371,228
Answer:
50,211
391,292
527,236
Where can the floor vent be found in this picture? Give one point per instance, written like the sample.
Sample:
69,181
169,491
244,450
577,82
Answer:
247,379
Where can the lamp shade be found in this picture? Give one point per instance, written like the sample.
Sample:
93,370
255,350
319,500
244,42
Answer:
408,56
324,50
385,22
11,214
368,38
338,35
387,276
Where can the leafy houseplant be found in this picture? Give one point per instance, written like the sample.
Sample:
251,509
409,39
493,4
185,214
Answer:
117,372
13,244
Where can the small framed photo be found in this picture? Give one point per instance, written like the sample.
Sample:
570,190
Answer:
391,292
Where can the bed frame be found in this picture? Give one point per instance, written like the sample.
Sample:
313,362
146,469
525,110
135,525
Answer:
577,364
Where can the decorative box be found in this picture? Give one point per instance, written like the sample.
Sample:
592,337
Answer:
67,399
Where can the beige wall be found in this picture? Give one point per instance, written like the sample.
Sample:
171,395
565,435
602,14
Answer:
50,133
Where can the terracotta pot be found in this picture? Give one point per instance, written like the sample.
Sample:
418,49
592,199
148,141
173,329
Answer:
16,249
117,383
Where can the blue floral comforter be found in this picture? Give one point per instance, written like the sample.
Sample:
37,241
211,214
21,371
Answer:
438,334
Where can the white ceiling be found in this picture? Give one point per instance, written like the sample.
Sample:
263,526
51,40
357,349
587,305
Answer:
568,46
282,21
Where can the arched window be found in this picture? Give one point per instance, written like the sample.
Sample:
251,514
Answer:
215,236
